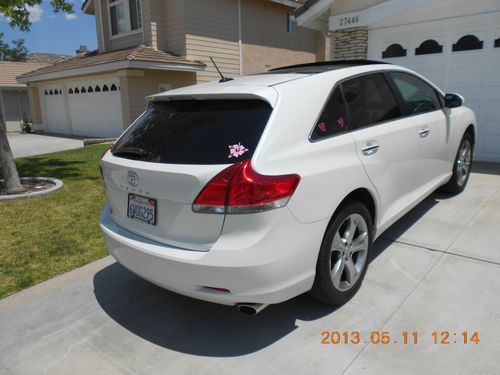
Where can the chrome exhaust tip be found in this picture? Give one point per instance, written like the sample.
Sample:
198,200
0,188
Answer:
251,308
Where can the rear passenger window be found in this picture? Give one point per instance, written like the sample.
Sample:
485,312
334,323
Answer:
332,120
370,100
195,132
419,97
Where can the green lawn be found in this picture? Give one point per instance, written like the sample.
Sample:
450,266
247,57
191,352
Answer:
45,236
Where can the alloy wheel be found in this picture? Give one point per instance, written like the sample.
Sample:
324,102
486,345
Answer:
463,162
349,252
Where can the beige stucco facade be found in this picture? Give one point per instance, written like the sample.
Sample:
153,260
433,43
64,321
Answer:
242,36
136,85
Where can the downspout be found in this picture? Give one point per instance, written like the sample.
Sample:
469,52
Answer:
102,27
240,46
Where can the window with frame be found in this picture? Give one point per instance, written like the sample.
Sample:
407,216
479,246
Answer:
418,96
370,100
332,119
125,16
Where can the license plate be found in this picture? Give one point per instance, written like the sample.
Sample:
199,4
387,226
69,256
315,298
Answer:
142,209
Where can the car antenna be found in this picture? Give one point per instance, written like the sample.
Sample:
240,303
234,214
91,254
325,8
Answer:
222,78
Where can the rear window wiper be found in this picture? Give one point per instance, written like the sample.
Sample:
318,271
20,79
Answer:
134,152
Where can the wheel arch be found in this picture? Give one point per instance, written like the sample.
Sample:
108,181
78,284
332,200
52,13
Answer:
471,129
364,196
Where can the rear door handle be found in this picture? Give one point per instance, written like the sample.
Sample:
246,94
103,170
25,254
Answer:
370,148
424,132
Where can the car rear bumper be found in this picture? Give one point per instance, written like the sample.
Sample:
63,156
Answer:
270,259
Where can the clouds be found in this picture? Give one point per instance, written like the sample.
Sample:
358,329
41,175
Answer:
70,17
36,12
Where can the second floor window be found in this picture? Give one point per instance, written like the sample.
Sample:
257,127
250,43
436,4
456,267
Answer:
125,16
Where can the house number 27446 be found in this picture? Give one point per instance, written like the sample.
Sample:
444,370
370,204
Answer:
349,20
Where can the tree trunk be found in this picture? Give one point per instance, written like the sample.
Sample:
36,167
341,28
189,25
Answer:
11,182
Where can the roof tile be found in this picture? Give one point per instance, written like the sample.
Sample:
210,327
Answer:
139,53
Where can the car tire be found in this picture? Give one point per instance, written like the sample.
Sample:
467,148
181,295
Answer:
344,255
461,166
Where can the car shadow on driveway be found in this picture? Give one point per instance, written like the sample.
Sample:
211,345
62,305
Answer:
196,327
201,328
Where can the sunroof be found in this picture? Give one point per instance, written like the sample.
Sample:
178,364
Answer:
320,67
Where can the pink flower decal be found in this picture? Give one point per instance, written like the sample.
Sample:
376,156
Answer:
236,150
341,122
322,127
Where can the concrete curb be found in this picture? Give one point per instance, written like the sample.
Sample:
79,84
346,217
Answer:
95,141
58,185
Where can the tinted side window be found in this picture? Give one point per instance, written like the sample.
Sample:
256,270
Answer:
195,132
419,97
332,120
370,100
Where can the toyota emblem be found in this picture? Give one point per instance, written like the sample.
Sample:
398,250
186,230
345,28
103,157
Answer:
132,178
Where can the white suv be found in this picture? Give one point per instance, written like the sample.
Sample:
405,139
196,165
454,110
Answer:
254,190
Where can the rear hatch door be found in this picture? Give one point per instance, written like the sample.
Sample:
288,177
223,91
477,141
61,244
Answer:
160,164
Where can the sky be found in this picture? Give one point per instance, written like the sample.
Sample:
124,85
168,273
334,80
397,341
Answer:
54,32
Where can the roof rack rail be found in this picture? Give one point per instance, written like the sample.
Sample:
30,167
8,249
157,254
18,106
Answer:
330,63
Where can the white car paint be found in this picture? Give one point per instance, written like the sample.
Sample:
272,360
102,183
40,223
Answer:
269,257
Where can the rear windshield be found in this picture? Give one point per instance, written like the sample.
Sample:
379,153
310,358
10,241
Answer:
195,132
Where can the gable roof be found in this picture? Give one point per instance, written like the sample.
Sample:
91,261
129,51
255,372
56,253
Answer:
11,69
136,57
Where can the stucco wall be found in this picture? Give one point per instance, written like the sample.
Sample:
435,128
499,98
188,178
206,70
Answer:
266,42
135,87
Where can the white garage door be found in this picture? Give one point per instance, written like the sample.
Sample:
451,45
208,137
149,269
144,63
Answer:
463,57
95,108
55,113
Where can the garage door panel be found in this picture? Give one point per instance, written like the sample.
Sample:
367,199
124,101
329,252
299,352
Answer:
55,110
97,113
475,73
466,74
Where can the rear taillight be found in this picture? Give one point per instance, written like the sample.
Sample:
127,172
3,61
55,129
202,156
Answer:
239,189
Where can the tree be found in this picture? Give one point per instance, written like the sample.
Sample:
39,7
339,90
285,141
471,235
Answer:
16,53
17,13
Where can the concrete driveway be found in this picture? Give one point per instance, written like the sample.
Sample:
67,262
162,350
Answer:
438,269
35,144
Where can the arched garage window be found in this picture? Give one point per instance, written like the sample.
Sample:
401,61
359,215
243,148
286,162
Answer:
105,88
394,50
45,92
428,47
70,91
467,43
90,89
97,89
113,87
497,43
51,92
77,91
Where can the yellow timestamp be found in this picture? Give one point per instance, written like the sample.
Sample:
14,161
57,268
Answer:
405,338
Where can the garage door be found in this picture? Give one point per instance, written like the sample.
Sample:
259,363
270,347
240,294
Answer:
55,113
465,60
95,108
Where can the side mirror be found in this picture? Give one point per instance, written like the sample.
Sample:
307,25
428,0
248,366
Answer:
453,100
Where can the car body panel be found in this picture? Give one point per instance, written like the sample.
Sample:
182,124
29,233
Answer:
269,257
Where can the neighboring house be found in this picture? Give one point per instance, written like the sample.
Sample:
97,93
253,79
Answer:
147,46
14,102
455,43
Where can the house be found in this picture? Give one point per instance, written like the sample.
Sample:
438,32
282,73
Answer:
14,102
455,43
148,46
